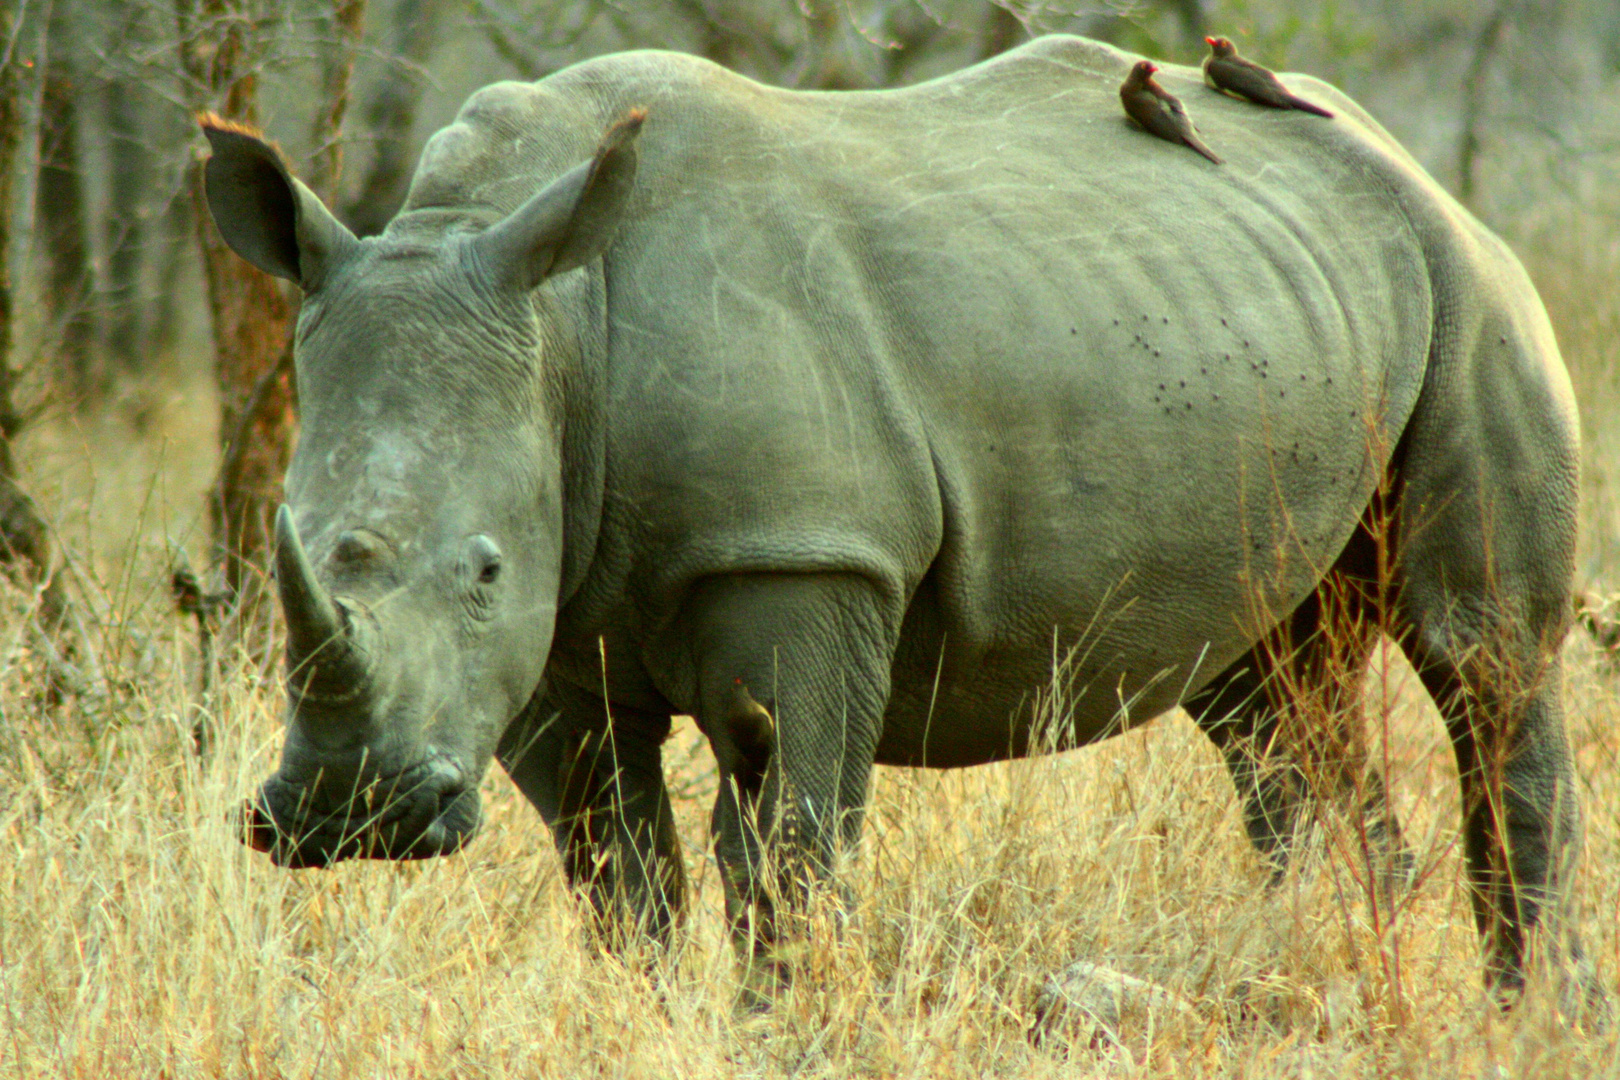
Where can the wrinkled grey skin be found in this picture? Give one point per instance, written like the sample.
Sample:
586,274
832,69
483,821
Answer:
880,403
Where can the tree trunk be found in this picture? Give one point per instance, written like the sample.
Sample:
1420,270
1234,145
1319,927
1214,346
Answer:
25,551
129,182
391,116
251,315
61,215
1001,31
339,44
10,135
170,238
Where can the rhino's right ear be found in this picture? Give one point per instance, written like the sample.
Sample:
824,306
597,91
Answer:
571,220
266,214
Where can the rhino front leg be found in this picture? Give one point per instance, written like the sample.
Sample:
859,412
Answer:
792,675
599,785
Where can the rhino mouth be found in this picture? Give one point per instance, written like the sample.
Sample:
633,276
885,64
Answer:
422,812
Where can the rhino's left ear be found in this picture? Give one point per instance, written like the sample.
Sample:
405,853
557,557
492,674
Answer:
264,213
573,219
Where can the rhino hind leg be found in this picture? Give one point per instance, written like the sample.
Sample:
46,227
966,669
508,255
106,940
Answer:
1484,635
1486,502
1521,820
1288,720
600,788
1492,665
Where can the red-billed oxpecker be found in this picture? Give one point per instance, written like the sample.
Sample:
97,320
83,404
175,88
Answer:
1225,70
1157,110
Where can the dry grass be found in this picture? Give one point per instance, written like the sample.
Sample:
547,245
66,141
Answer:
138,938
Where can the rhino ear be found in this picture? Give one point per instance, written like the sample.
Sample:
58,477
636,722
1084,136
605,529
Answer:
571,221
264,213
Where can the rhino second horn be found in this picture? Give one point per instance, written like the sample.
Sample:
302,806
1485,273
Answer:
314,623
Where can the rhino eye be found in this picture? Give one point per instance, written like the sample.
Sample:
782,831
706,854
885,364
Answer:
491,571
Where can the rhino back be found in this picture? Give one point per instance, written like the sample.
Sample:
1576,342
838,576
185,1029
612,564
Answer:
1049,382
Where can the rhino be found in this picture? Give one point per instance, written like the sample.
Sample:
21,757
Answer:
928,427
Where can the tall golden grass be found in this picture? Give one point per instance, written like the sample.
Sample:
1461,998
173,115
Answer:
139,938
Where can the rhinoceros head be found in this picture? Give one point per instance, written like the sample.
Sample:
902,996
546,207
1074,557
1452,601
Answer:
419,555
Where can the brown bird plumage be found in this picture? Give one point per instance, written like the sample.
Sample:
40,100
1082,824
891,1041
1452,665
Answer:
1225,70
1157,110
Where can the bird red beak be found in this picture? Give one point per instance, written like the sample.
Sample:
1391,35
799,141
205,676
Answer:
1210,42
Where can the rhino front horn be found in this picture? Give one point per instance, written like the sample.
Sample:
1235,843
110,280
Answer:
318,645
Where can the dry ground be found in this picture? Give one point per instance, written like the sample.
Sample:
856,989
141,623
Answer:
138,938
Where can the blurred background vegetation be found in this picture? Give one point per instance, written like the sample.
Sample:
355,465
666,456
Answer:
123,308
146,405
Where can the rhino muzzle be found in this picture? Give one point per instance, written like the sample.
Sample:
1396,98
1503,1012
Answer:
340,806
429,809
